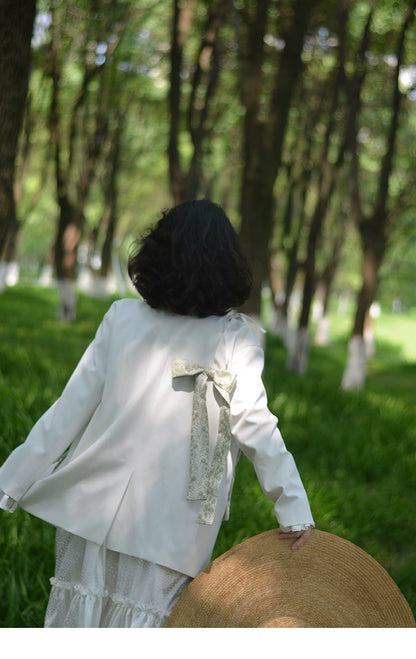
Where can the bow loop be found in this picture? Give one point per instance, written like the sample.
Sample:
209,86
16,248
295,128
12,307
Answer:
224,381
205,478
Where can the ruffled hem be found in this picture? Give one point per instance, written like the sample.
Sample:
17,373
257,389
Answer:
74,605
7,503
96,587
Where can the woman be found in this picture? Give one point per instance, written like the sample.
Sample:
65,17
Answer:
134,463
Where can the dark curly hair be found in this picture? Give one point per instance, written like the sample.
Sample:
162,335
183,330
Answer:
191,263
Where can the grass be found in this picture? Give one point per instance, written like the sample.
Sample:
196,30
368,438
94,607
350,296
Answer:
356,451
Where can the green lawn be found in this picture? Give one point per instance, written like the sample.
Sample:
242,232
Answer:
356,452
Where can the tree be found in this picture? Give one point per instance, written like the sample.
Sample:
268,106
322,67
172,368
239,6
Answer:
265,125
110,215
186,179
329,166
16,26
374,224
256,119
78,143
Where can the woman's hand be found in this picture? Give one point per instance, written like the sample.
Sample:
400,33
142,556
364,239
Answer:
301,537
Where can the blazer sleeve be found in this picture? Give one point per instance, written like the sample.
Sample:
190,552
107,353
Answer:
61,424
255,430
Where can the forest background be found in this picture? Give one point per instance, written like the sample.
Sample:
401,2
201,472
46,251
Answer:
298,117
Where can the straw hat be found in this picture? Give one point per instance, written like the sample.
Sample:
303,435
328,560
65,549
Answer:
262,582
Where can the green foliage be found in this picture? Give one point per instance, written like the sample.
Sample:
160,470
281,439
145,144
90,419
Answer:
133,81
355,451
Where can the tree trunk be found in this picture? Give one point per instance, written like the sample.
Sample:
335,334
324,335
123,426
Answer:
9,265
328,178
328,275
77,150
298,362
69,228
374,228
65,253
263,140
111,197
186,183
204,86
16,26
181,24
293,224
355,369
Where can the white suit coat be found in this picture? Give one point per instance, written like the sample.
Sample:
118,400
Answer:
110,460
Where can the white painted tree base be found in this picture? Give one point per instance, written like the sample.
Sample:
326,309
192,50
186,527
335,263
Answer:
322,332
298,355
9,274
283,330
46,277
103,287
370,342
2,276
355,369
85,280
100,287
67,300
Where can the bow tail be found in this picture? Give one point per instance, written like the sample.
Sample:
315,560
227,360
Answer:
219,460
199,453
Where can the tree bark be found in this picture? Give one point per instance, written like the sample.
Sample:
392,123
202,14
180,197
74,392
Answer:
329,174
111,211
69,226
75,167
263,138
374,228
327,277
181,24
16,26
204,86
186,181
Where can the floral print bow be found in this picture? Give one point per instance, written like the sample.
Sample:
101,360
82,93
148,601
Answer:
205,478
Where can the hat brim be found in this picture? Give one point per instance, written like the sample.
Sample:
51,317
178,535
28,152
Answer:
262,582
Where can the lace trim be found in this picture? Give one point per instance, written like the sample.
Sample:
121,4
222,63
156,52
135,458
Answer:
117,598
7,503
296,527
137,606
79,588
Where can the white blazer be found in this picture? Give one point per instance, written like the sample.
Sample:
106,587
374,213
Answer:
111,460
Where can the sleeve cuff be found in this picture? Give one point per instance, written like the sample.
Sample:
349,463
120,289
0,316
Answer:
7,503
296,527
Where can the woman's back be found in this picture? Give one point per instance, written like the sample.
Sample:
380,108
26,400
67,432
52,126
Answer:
130,459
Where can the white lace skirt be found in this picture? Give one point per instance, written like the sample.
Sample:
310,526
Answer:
96,587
